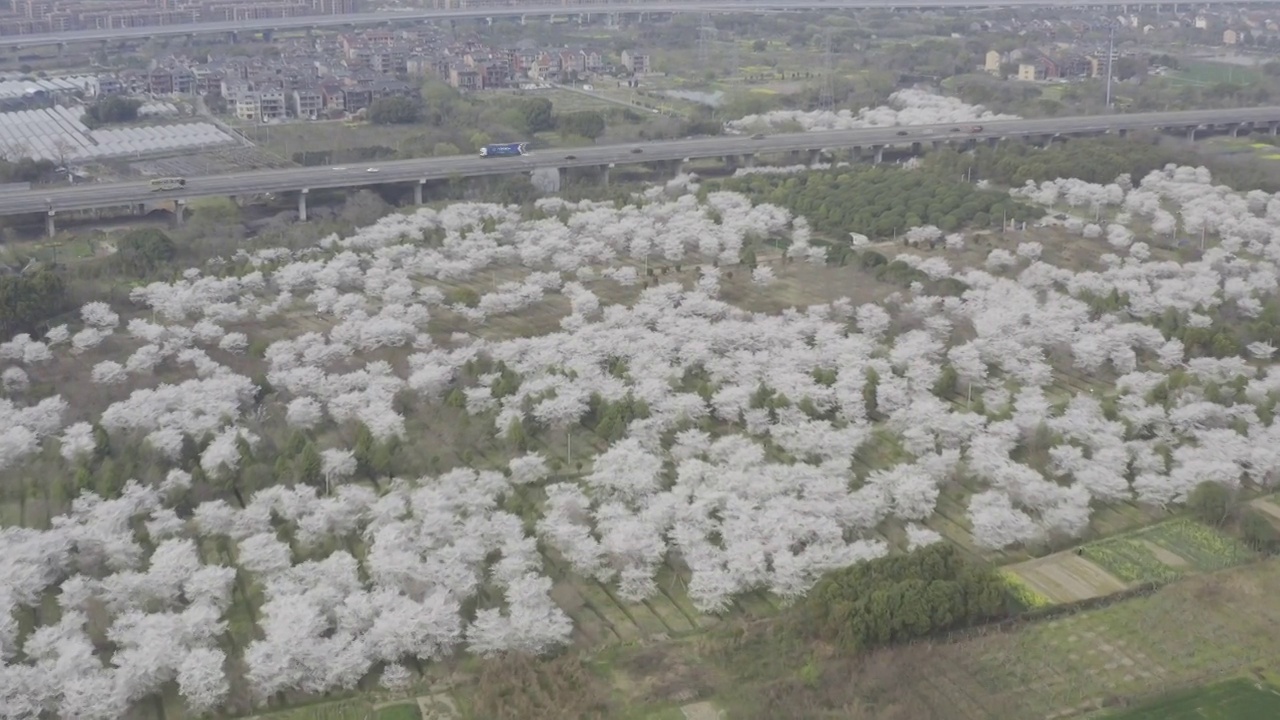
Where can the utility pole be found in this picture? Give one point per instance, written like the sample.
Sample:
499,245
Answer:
705,32
827,91
1111,55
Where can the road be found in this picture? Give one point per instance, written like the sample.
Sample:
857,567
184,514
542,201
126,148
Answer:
407,171
378,18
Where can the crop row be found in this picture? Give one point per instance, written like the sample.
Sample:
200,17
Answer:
1026,595
1130,561
1204,547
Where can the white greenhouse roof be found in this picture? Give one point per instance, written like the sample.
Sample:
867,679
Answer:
58,133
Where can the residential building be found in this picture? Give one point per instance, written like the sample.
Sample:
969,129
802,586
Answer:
464,78
636,61
993,61
260,105
356,98
1032,71
333,98
1073,65
308,103
1230,37
104,85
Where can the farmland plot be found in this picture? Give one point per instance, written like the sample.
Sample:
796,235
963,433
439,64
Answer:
313,471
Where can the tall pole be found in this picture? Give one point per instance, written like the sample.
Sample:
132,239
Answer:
827,91
1111,54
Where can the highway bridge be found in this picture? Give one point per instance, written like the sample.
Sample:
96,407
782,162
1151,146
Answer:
516,8
873,141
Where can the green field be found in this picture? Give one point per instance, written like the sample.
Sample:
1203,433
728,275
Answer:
403,711
1164,552
1238,699
1209,73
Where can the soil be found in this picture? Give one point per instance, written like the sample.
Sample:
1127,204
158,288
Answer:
701,711
1267,507
1066,577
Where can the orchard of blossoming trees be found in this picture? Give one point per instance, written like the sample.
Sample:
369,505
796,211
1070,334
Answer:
732,435
906,107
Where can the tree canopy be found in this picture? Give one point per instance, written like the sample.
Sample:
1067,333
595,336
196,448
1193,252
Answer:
29,299
904,597
879,202
395,111
586,123
140,252
535,115
113,109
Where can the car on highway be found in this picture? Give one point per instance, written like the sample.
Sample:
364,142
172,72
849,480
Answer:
636,151
902,133
955,129
758,136
570,157
337,169
371,170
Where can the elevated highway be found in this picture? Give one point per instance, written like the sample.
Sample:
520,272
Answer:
516,8
51,200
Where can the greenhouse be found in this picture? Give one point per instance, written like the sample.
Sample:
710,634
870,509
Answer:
58,134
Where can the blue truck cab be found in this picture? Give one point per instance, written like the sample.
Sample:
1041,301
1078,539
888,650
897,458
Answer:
503,150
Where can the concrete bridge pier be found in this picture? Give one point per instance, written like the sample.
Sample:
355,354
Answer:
604,175
1271,128
233,37
50,228
916,147
1191,133
879,154
994,141
748,161
179,212
937,145
1235,129
417,191
302,204
815,157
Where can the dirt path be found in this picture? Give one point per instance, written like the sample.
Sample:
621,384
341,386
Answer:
1265,505
702,711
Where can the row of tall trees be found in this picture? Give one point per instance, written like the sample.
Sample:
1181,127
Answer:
1096,160
903,597
880,202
